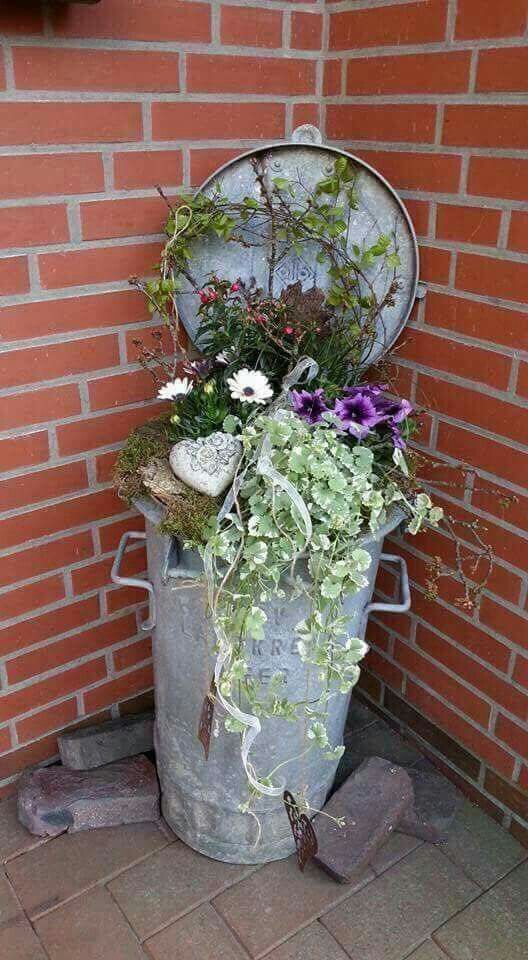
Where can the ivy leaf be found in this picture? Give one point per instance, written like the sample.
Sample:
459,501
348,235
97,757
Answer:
330,588
255,621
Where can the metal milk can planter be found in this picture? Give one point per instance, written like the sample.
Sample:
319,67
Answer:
201,798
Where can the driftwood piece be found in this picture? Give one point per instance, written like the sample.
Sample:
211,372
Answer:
161,483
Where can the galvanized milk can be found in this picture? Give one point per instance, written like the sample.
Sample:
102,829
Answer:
201,798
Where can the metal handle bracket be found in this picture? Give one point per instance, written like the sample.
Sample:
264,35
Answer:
405,590
116,577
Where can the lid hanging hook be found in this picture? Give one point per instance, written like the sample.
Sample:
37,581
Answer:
307,133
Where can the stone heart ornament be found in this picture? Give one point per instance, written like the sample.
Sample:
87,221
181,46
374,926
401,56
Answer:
207,464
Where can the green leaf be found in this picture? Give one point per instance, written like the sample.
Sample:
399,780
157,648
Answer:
231,424
331,588
393,260
255,621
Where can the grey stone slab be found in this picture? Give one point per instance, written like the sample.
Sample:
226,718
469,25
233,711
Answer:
312,943
369,806
495,927
66,866
395,913
96,746
91,927
169,884
436,802
376,740
201,935
53,799
14,838
481,847
272,904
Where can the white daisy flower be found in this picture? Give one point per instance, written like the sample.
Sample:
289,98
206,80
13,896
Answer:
250,386
179,387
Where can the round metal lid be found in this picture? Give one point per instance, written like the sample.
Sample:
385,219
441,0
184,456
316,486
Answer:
380,211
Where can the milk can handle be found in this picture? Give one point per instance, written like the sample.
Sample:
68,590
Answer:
405,592
115,576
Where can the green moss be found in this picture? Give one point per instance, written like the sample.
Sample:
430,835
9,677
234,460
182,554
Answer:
149,440
188,513
189,518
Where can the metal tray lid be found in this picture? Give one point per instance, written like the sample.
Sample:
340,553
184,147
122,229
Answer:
306,158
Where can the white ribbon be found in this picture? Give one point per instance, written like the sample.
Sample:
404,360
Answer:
265,467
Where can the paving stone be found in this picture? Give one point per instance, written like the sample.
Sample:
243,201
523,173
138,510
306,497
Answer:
9,905
18,941
55,871
396,912
169,884
201,935
96,746
395,849
312,943
91,927
54,799
436,802
14,838
481,847
495,927
370,805
270,905
428,951
376,740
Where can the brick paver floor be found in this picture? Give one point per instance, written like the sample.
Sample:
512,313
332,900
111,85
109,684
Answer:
138,893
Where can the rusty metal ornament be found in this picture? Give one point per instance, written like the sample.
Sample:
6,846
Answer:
306,160
302,830
205,725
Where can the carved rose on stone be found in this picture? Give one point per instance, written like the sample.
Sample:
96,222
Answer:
207,464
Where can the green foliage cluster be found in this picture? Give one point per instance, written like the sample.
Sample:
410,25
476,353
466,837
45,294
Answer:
272,334
203,410
286,215
348,497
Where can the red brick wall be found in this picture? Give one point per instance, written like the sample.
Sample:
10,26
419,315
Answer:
433,94
99,103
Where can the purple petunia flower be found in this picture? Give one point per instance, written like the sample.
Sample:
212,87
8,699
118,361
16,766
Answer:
393,411
397,439
371,389
365,408
199,368
309,406
358,413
